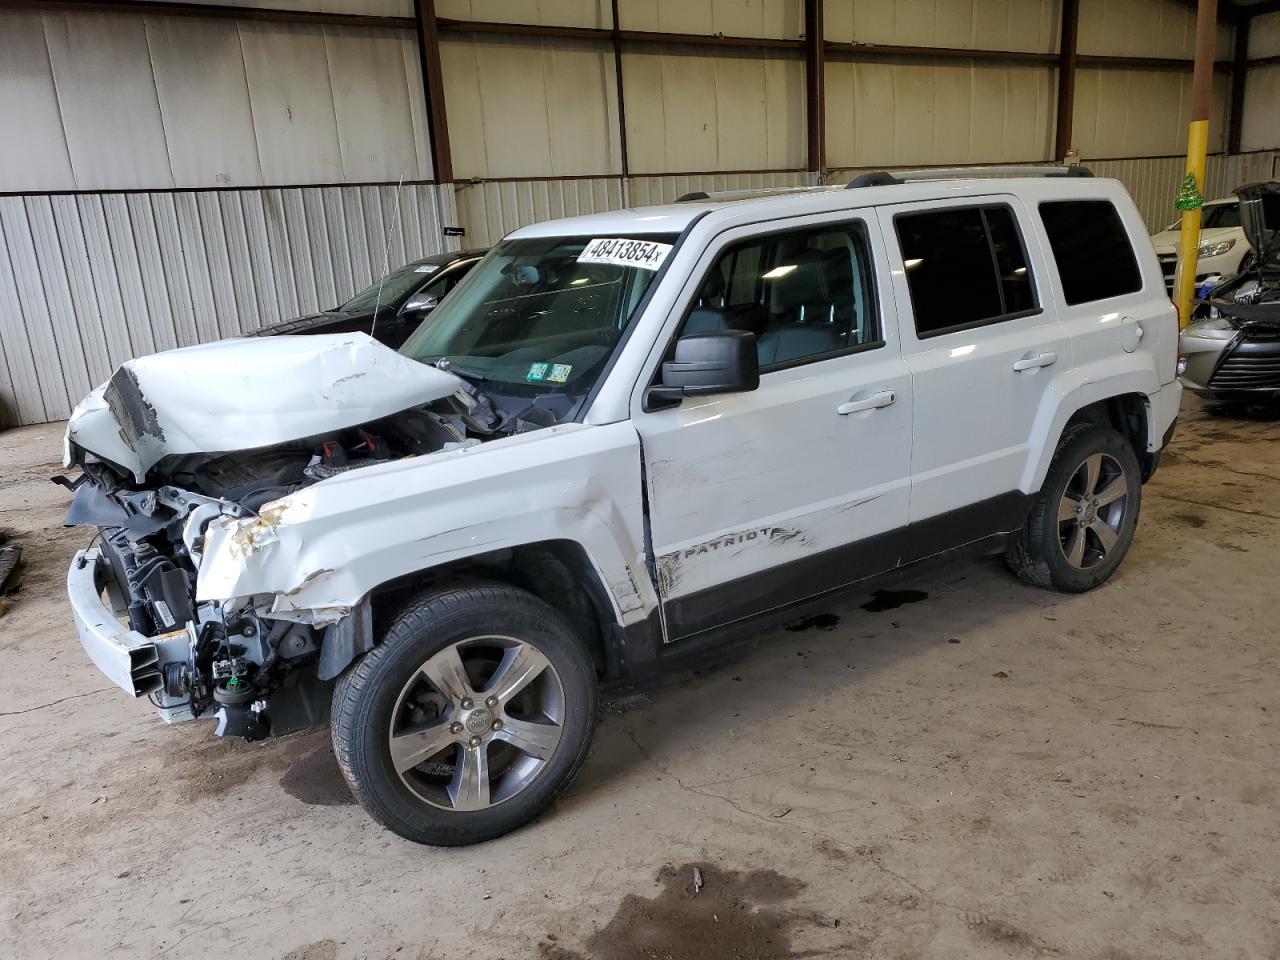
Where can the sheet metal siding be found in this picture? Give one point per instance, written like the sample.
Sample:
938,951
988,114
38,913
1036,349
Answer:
1261,128
91,280
1144,28
492,209
1152,181
1264,36
123,101
1028,25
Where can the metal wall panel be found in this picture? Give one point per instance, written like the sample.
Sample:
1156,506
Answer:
1151,181
643,191
541,108
558,13
368,8
107,99
896,114
1143,28
119,101
736,111
1139,113
37,159
204,101
1264,36
734,18
977,24
492,209
1261,127
89,281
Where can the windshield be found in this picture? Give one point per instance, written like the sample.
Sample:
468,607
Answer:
544,313
1214,215
395,286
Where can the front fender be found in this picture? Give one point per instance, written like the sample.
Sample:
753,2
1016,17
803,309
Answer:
1075,389
316,553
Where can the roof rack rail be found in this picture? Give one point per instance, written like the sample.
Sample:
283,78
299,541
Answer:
882,178
748,194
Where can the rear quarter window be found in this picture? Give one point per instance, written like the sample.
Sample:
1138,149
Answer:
1091,249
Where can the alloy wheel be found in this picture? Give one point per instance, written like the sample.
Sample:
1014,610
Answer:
477,722
1092,510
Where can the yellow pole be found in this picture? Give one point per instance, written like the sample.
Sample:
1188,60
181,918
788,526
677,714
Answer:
1197,147
1184,284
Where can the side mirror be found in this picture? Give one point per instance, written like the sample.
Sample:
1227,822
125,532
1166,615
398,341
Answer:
722,361
420,303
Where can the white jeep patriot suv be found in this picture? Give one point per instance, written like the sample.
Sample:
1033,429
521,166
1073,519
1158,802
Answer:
623,437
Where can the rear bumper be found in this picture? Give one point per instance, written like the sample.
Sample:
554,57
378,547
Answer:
132,662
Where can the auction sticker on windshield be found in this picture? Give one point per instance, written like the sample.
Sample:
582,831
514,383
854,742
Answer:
622,252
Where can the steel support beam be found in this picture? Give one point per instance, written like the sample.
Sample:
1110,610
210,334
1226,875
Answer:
1066,77
815,97
1239,79
1184,280
622,99
433,90
212,12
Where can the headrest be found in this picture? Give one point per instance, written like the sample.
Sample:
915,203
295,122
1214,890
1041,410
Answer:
713,285
802,286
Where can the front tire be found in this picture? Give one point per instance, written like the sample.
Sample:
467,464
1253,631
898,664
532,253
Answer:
1083,520
469,718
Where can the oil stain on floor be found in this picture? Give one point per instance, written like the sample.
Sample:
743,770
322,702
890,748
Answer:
882,600
701,913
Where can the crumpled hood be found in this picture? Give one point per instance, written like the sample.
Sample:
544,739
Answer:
243,394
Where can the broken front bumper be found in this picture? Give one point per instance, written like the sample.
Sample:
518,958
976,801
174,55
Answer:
131,661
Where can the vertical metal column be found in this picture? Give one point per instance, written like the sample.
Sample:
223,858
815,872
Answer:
1066,77
1197,148
433,88
815,86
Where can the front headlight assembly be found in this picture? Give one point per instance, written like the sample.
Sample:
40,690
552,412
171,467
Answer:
1215,249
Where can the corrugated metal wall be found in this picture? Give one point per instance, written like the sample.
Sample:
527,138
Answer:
894,114
88,281
111,102
121,101
1261,128
1153,181
494,208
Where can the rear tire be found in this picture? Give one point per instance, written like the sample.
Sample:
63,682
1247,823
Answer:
1084,517
469,718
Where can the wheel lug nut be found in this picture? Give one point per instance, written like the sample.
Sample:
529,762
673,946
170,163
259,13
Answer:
455,728
466,704
497,724
475,741
491,702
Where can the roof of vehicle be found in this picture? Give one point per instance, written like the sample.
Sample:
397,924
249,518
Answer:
451,256
672,218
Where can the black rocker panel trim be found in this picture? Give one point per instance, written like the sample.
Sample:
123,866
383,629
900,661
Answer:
984,525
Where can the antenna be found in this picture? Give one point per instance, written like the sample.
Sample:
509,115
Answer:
386,256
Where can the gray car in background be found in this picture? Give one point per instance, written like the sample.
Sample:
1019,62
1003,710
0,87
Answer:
1231,352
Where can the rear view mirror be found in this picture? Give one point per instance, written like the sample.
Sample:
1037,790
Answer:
721,361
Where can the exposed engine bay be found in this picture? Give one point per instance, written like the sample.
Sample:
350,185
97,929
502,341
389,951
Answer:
258,674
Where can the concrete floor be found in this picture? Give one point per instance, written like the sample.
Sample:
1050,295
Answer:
990,771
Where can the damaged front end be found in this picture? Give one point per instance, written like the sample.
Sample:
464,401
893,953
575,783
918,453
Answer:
179,448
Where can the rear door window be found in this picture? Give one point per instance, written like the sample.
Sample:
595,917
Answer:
966,267
1091,248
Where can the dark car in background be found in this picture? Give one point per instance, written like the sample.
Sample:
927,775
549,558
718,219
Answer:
390,309
1231,350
